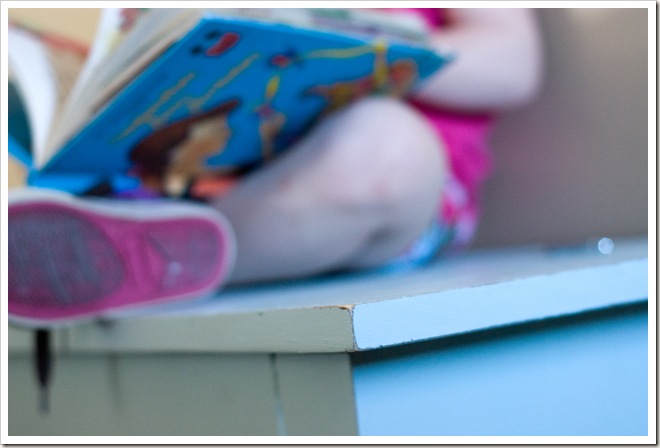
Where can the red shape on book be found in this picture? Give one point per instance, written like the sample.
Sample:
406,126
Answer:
224,43
280,61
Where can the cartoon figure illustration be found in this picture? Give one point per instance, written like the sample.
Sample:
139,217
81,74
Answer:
171,157
271,121
395,78
401,76
220,44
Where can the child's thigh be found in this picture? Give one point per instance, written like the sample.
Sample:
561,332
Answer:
354,192
378,151
380,163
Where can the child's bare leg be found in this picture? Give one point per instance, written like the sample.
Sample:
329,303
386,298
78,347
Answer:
354,193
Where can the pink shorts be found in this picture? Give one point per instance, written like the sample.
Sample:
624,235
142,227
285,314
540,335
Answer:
464,138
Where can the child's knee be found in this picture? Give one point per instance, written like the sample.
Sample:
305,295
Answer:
385,154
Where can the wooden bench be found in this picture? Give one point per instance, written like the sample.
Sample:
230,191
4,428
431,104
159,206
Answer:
526,341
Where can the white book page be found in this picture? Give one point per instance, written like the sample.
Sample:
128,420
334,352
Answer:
363,22
153,33
30,65
108,35
117,57
104,41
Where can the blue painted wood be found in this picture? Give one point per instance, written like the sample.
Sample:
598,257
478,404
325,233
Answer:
514,300
589,378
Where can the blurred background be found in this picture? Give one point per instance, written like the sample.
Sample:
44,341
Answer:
571,166
574,165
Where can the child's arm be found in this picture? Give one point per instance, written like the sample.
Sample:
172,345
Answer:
499,60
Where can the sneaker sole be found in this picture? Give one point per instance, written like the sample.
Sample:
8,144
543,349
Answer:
72,259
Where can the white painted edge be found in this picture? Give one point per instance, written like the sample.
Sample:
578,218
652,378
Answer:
441,314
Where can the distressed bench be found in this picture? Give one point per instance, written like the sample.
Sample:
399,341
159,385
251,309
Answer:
520,341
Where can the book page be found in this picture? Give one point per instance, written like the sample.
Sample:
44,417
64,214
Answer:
373,23
112,29
156,29
107,35
18,123
133,49
32,72
45,68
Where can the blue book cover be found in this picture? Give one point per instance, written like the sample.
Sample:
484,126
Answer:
228,96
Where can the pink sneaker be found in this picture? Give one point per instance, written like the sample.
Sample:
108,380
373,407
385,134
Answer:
72,259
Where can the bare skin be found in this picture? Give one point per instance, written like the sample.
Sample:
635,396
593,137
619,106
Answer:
353,194
499,64
367,181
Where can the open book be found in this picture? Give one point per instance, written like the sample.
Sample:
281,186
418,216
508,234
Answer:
167,96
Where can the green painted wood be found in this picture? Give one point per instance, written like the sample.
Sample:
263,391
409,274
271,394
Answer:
316,393
257,361
21,340
119,395
265,331
333,314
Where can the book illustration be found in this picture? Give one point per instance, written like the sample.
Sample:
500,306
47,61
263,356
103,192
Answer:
169,158
184,159
212,98
394,79
220,43
271,121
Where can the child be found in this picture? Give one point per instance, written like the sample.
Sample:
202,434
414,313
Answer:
382,183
